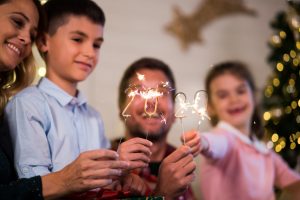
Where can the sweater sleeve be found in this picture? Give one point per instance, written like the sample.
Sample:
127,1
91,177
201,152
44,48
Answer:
22,189
284,176
218,145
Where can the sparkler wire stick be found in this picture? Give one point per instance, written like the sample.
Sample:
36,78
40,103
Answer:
196,108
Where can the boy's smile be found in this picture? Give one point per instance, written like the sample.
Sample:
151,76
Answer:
72,52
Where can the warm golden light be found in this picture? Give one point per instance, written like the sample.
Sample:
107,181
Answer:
288,110
278,148
293,145
292,82
267,116
276,82
282,34
298,45
293,54
280,67
282,144
275,137
286,57
294,104
295,62
298,119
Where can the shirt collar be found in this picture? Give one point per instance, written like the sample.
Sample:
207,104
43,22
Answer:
59,94
257,144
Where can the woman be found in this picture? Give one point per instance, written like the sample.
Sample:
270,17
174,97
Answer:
19,22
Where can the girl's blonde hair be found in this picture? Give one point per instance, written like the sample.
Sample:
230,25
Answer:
239,70
13,81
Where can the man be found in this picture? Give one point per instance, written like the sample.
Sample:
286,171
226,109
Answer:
170,171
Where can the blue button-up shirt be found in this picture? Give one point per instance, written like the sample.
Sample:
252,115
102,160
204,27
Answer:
50,128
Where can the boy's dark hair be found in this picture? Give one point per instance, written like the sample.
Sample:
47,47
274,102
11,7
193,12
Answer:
240,70
144,63
58,11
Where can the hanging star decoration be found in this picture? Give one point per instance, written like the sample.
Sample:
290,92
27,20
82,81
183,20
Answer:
187,28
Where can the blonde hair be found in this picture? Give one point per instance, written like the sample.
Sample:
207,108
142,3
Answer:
13,81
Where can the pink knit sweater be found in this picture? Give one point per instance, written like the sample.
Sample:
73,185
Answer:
237,168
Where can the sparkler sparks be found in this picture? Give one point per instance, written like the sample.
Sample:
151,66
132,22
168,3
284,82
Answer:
199,107
149,95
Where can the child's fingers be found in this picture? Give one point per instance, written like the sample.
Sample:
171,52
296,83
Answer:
178,154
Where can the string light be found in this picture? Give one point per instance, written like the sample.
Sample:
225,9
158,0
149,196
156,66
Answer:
282,34
294,104
267,116
288,110
269,90
275,137
286,57
298,119
298,45
293,145
280,67
293,54
275,40
276,82
295,62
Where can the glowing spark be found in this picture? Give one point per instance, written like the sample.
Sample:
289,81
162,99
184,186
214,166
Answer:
196,107
141,77
147,94
163,119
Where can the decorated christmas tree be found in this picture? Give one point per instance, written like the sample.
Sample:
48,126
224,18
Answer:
281,100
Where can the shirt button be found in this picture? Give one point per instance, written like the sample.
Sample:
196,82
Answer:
25,170
73,101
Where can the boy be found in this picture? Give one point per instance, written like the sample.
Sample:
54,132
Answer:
52,123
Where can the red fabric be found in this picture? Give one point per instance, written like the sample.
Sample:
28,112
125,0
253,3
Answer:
103,194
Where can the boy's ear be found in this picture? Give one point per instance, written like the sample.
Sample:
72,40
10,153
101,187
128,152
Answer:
42,43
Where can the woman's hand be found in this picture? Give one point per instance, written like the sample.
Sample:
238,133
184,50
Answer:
92,169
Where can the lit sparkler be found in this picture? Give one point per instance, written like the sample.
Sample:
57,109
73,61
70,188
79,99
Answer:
147,94
199,107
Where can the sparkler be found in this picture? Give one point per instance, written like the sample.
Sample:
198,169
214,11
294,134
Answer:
147,94
199,107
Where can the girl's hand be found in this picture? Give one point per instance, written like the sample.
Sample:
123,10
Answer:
194,140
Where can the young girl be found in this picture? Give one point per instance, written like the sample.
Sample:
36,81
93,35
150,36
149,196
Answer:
235,159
